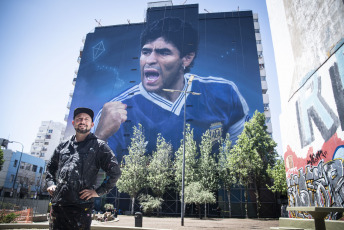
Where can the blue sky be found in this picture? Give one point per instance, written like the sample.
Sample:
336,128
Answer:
39,46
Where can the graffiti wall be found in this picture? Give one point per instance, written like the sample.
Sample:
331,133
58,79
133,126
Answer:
315,148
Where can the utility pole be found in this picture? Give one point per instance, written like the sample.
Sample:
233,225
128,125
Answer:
185,92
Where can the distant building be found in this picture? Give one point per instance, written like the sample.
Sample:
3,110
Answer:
22,179
49,135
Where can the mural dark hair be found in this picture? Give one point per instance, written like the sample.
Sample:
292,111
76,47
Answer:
180,33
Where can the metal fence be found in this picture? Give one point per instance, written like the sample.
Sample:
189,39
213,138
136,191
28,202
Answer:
39,207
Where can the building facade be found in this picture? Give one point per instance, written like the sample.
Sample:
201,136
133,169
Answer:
21,175
311,78
229,49
49,135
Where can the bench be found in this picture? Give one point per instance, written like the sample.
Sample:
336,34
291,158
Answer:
318,214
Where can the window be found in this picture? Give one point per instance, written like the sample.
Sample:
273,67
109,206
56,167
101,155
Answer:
15,163
50,131
266,106
34,168
258,42
46,143
22,164
40,169
268,120
12,178
261,66
263,78
256,31
42,155
255,19
28,166
47,136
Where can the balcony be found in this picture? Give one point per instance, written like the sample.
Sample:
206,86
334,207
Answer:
256,25
259,47
269,129
264,86
265,98
262,72
267,113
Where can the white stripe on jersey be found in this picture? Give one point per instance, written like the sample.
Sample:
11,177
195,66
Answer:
211,79
177,106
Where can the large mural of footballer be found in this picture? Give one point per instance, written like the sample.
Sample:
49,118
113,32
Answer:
169,48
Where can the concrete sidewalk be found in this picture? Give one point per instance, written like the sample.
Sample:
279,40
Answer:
174,223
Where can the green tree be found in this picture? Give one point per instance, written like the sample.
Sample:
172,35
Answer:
227,168
246,160
277,173
149,203
191,173
134,173
1,158
195,193
257,149
159,168
207,166
256,130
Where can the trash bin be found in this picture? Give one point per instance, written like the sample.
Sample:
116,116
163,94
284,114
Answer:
138,219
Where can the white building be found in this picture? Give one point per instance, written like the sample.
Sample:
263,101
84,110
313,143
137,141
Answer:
49,135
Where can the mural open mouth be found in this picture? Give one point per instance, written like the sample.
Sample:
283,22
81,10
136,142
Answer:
151,75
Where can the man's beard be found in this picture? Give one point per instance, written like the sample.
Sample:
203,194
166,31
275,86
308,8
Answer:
82,131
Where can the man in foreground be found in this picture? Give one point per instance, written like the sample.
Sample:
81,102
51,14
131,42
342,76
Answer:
72,173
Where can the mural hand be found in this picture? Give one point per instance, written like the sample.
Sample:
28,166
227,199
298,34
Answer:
113,115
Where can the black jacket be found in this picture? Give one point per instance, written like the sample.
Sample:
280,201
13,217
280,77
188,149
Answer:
74,166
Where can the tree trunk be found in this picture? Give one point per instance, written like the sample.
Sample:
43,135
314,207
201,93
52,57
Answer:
205,210
257,198
132,205
229,202
246,200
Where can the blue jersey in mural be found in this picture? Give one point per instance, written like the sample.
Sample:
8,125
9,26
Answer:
219,107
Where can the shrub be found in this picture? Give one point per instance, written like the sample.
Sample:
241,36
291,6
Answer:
7,218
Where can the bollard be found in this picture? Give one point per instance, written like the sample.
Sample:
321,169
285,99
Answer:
138,219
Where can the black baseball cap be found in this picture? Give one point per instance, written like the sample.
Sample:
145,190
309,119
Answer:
83,110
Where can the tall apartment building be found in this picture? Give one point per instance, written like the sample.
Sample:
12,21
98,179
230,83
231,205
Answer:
49,135
229,48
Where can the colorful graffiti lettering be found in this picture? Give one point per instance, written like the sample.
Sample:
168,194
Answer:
312,106
321,185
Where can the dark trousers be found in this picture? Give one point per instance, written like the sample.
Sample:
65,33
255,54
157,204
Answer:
71,217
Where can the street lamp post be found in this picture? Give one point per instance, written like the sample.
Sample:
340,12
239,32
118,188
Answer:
184,125
21,154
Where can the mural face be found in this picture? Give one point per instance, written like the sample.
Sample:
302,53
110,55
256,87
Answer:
132,64
314,161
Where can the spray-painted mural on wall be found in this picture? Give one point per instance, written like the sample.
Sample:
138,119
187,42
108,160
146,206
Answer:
314,160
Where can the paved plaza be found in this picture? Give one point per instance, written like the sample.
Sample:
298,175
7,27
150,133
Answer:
128,222
195,223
